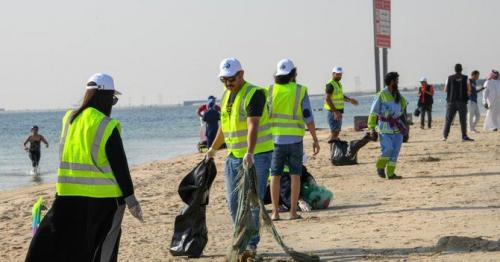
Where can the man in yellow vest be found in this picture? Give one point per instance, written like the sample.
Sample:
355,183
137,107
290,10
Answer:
334,103
290,110
247,133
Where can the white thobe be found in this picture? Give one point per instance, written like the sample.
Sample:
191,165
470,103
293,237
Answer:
491,96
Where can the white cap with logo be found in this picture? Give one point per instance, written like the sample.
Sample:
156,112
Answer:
229,67
337,70
423,79
284,67
102,82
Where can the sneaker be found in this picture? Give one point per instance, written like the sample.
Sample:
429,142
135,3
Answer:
381,172
444,139
467,139
395,177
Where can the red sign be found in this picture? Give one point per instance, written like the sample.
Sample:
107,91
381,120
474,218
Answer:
383,23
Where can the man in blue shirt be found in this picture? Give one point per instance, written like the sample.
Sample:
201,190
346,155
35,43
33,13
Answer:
474,113
211,117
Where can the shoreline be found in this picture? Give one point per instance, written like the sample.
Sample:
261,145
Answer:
441,194
318,129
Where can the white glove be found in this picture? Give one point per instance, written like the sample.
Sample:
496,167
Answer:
248,160
304,206
134,207
210,153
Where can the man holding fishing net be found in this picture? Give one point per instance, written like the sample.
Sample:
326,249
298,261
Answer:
247,134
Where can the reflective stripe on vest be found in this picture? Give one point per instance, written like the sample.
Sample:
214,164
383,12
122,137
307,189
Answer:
296,104
93,154
234,125
82,171
337,96
386,97
245,132
244,143
286,118
86,180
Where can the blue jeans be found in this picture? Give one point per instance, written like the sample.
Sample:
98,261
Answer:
335,125
262,166
391,145
289,154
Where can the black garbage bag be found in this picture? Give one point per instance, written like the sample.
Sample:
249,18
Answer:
190,229
343,153
285,187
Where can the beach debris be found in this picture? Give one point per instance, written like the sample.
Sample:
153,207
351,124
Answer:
245,228
36,214
429,159
466,244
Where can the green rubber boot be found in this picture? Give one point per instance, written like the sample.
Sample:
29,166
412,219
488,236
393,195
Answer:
381,163
391,167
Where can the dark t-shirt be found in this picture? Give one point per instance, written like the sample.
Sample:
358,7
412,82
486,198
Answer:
457,89
473,95
255,106
329,90
212,117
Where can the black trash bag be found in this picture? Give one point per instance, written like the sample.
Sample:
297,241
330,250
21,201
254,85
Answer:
190,229
417,112
343,153
285,187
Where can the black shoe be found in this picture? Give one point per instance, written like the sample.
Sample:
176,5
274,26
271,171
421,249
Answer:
466,138
395,177
495,129
381,172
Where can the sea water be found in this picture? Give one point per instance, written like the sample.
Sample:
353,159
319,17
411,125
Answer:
149,133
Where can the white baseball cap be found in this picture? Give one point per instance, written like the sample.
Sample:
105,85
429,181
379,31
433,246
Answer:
103,82
229,67
284,67
337,70
423,79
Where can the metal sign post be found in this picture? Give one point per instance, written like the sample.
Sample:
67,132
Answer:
382,35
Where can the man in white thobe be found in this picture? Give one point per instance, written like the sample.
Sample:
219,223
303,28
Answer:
491,101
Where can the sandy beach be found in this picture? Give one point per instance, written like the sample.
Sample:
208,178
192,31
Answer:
449,189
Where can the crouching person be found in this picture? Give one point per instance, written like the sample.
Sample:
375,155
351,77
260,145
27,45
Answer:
387,113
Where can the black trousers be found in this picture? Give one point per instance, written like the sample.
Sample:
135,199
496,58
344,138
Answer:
79,229
35,157
423,110
451,111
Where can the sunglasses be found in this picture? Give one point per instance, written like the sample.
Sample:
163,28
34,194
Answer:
229,79
115,100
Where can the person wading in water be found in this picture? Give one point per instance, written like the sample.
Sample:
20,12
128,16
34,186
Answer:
33,150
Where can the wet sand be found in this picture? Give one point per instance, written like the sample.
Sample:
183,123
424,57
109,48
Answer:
449,189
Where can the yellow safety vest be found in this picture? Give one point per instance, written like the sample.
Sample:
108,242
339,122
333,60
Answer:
234,125
84,169
337,95
285,107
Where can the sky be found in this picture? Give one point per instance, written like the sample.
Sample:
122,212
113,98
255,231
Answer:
165,52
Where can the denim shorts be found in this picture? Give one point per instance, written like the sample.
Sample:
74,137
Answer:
335,125
287,154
